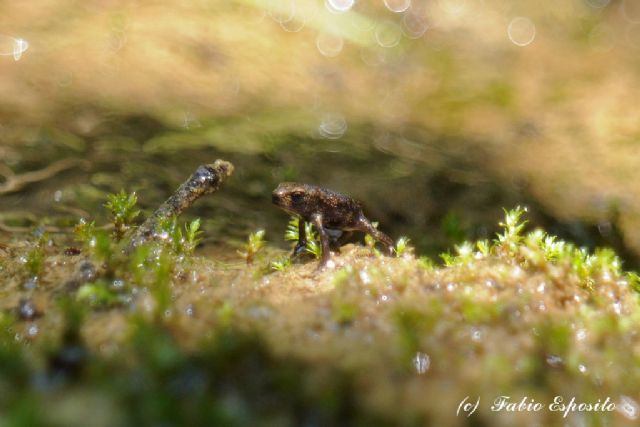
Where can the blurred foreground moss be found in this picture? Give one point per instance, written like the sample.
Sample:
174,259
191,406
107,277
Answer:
163,336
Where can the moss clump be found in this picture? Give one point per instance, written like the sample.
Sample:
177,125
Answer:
186,338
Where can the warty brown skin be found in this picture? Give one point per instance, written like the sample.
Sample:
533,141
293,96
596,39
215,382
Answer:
326,210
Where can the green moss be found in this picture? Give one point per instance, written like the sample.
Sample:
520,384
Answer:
281,263
313,246
526,300
98,295
180,243
254,244
122,207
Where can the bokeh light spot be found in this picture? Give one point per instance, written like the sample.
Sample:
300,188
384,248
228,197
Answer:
281,11
388,34
332,125
397,6
12,46
339,6
628,407
329,45
521,31
414,25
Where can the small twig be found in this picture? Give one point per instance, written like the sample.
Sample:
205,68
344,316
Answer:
15,183
205,180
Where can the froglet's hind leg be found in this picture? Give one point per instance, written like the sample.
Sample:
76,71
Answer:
301,246
324,240
367,227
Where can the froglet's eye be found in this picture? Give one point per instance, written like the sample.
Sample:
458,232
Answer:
296,197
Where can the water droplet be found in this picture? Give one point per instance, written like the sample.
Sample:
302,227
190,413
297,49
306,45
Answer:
87,271
476,334
339,6
397,6
421,362
329,45
12,46
364,276
190,310
27,310
582,368
388,34
332,125
554,361
617,307
628,407
31,283
32,331
521,31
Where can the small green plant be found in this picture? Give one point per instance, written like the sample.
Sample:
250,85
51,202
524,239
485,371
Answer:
426,263
513,225
402,246
192,236
85,233
179,242
122,207
34,260
97,294
314,248
484,247
313,244
254,244
280,264
634,280
448,259
465,253
370,241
